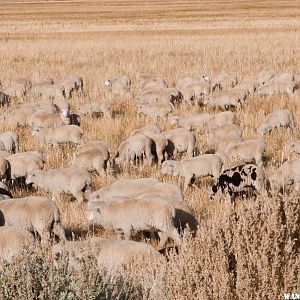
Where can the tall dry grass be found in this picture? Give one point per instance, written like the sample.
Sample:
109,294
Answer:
246,250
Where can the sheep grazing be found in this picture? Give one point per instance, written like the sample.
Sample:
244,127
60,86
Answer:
95,108
156,110
35,214
119,86
21,164
72,180
276,119
180,140
13,241
196,121
135,147
276,88
139,215
188,95
247,151
154,97
10,140
112,255
93,156
59,135
288,173
224,100
295,146
203,165
223,82
239,179
42,119
72,83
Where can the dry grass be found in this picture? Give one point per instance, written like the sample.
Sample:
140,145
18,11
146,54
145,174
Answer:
103,39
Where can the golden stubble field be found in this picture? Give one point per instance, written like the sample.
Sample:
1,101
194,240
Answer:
242,251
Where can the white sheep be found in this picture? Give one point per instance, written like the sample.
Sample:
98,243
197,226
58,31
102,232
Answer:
139,215
156,110
220,119
202,165
180,140
276,119
13,241
272,88
288,173
10,140
246,151
23,163
224,100
42,119
36,214
72,180
110,254
149,129
196,121
58,135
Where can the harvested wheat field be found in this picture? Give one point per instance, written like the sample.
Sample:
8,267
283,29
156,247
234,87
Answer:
179,58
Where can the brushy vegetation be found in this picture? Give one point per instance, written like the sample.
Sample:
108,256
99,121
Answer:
243,250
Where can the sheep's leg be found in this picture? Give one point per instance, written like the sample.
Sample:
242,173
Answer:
173,234
163,238
59,231
44,235
187,181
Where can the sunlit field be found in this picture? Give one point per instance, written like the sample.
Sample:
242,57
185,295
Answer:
243,250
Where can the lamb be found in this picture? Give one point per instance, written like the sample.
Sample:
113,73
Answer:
239,179
156,110
246,151
180,140
71,180
58,135
295,146
13,241
42,119
203,165
224,100
276,119
137,146
288,173
10,140
220,119
125,215
191,122
277,88
21,164
35,214
124,188
112,255
217,135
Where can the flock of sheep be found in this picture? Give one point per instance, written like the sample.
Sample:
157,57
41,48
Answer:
132,205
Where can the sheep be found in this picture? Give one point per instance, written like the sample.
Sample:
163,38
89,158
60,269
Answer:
288,173
217,135
101,146
71,180
92,160
4,99
203,165
35,214
138,146
145,81
72,83
52,91
112,255
21,164
38,87
4,154
220,119
224,100
23,81
246,151
119,86
58,135
2,146
154,96
276,119
4,192
295,146
276,88
149,129
200,88
16,90
42,119
13,241
10,140
180,140
124,188
225,143
265,76
4,170
17,115
188,95
125,215
95,108
223,82
156,110
239,179
191,122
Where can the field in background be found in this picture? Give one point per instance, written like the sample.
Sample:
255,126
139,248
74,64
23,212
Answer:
105,39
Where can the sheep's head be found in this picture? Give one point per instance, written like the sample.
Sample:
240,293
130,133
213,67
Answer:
30,178
108,82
